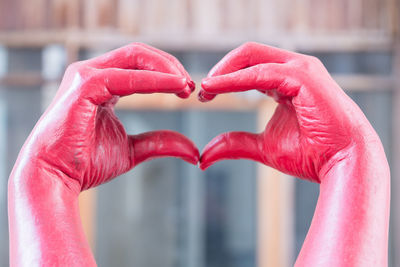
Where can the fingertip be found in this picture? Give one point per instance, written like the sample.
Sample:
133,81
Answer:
194,158
187,91
164,143
183,82
231,145
203,96
192,85
188,150
205,83
204,161
211,152
203,166
184,94
173,83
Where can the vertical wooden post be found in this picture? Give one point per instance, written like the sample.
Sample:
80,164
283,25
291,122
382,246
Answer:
73,14
394,6
90,14
395,186
275,209
194,194
177,9
268,18
128,16
206,17
72,51
34,15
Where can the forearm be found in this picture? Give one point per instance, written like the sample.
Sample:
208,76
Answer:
351,220
45,226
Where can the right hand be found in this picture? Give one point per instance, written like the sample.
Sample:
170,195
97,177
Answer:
314,121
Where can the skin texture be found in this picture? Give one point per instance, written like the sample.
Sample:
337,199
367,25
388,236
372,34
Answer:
79,143
316,133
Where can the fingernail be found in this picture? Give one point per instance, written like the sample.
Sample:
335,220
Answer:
204,96
192,85
184,94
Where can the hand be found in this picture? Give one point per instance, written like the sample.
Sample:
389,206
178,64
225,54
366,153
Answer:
80,136
317,133
314,119
79,143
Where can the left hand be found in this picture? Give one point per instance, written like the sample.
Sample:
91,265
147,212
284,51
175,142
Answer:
80,137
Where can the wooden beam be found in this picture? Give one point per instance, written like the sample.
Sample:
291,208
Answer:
22,79
364,82
349,82
172,102
73,14
353,82
332,42
32,38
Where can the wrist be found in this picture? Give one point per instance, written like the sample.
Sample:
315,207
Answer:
350,223
366,154
45,225
34,172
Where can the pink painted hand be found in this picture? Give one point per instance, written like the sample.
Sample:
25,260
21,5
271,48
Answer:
79,143
316,133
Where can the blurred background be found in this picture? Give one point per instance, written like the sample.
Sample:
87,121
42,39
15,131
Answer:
166,212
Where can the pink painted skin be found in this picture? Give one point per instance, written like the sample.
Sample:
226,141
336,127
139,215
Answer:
316,133
79,143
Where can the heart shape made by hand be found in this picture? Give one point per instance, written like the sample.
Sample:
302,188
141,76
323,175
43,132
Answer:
313,122
317,133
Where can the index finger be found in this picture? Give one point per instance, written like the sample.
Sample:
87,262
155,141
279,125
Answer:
263,77
174,61
138,56
250,54
134,56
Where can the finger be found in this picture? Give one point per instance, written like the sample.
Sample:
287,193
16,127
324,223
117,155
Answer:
174,61
262,77
248,55
178,65
135,57
122,82
232,145
151,145
139,57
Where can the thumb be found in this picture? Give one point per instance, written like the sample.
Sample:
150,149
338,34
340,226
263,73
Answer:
232,145
165,143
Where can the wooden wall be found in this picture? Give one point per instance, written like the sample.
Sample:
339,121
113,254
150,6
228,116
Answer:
202,17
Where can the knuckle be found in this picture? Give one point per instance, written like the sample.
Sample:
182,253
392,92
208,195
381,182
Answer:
262,68
135,44
314,60
248,45
311,60
80,68
135,48
95,76
307,62
173,58
75,66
